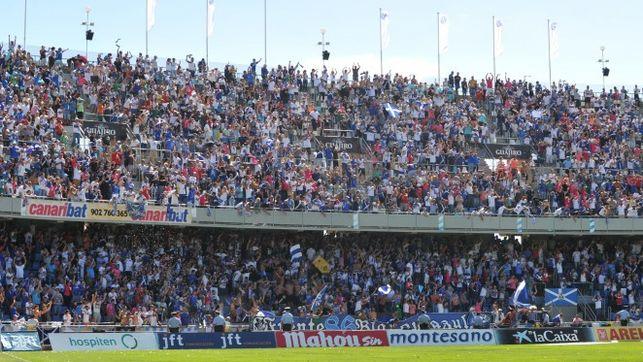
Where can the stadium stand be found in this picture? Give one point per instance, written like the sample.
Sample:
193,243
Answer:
140,274
281,139
294,139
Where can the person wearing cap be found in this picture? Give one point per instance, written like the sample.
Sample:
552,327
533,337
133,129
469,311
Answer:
218,322
287,320
174,323
424,321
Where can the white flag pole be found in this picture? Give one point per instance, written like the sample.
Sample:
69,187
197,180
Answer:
439,76
24,29
493,36
381,53
549,49
147,6
207,36
265,32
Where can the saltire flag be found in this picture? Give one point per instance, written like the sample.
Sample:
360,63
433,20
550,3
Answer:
210,17
384,23
391,110
135,210
497,36
553,40
443,28
561,297
151,10
295,256
319,298
521,296
385,291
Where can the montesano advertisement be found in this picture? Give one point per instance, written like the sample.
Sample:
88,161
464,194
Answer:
606,334
509,151
300,339
399,337
348,144
103,211
114,130
544,335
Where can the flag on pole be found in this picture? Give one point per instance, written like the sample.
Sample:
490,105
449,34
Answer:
561,297
384,22
521,296
319,298
497,35
151,9
210,17
295,256
553,39
443,39
322,265
386,291
391,110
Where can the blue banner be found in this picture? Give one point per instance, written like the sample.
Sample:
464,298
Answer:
272,322
20,341
216,340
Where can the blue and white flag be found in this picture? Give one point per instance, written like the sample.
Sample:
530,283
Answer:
151,14
210,17
384,23
319,298
391,110
136,210
561,297
521,296
295,255
386,291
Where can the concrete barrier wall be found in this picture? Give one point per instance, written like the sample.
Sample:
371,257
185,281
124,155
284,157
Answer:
452,224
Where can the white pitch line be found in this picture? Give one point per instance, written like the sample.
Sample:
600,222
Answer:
10,354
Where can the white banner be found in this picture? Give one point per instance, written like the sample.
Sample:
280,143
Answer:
384,23
497,36
443,29
210,17
401,337
553,39
103,341
151,9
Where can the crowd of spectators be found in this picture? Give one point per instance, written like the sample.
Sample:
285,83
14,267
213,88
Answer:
137,275
247,139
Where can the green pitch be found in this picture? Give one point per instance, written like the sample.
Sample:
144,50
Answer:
625,351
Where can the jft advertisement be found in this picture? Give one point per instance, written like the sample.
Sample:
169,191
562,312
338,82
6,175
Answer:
103,211
216,340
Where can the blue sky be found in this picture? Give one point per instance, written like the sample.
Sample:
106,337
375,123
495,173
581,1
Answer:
352,29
